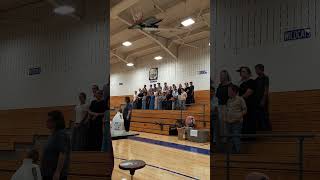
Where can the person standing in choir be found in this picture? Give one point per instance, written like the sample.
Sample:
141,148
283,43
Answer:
222,95
80,129
262,99
96,111
156,100
246,91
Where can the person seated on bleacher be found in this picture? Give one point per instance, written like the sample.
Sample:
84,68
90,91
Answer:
236,109
29,170
190,122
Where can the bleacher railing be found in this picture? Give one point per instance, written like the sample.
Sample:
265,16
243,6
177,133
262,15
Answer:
300,156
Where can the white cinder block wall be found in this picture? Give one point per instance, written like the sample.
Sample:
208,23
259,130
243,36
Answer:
185,69
72,56
252,31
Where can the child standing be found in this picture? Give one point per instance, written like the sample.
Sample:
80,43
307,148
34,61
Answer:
236,109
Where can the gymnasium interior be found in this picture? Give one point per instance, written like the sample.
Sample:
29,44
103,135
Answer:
180,54
51,50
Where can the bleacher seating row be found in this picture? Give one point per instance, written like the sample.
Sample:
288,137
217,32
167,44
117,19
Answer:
21,125
290,112
159,121
84,165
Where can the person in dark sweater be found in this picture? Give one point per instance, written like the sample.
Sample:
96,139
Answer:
140,96
262,96
222,96
56,155
97,111
246,91
192,100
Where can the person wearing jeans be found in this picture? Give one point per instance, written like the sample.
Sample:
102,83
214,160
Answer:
236,109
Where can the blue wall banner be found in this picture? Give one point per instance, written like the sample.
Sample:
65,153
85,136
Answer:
297,34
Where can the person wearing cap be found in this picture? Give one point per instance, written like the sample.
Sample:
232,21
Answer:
246,90
262,97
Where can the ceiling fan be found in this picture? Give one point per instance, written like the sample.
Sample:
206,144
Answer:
151,24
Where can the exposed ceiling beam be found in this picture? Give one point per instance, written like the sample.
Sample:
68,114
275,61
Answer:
142,50
132,40
120,7
153,38
161,15
119,57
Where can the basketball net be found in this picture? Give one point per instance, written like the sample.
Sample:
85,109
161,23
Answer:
137,15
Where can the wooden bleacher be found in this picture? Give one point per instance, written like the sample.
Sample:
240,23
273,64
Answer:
159,121
290,112
19,126
84,165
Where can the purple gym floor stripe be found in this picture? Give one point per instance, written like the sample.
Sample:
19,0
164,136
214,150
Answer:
174,172
173,145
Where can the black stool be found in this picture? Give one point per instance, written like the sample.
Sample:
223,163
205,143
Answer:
132,166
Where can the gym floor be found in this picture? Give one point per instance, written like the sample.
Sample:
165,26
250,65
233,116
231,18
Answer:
166,158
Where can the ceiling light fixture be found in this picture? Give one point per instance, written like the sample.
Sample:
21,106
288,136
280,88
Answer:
127,43
158,58
64,10
188,22
130,64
